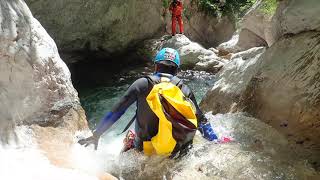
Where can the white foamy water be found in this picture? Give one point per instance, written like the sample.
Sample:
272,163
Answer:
256,152
22,159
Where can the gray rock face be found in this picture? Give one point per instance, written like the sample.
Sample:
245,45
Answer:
35,85
255,31
111,25
295,16
208,30
281,88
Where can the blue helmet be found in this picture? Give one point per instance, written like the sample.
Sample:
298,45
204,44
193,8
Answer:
168,54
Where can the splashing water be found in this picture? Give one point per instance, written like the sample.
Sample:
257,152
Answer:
24,160
256,151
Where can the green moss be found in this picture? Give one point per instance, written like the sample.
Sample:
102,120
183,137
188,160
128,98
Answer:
232,8
165,3
269,7
187,13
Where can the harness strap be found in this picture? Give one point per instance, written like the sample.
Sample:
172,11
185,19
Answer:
129,124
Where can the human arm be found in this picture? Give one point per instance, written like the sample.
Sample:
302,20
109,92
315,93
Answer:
204,126
111,117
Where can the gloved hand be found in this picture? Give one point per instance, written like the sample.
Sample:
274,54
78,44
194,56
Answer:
90,140
207,131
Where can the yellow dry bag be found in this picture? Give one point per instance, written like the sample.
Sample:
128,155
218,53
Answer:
177,119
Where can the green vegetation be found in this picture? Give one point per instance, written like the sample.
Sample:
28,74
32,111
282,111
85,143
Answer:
269,7
187,13
232,8
165,3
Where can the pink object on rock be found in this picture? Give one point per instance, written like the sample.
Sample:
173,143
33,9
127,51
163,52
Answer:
225,140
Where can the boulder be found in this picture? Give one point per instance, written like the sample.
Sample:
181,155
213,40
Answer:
232,81
36,94
193,55
255,31
35,83
258,21
281,88
107,26
241,42
295,16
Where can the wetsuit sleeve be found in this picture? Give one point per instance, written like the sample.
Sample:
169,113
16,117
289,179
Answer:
204,126
120,108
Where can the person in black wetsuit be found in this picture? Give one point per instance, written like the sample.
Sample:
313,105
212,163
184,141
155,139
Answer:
167,62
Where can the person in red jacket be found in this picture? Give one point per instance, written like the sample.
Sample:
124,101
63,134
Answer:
176,9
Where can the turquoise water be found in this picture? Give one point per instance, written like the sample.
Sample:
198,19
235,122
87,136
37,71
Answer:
99,100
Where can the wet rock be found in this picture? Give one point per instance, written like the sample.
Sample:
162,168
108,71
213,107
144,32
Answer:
36,92
294,16
281,85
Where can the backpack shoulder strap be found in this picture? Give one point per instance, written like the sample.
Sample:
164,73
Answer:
155,80
176,81
152,79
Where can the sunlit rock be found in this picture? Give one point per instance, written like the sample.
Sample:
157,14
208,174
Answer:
281,88
258,21
241,42
35,83
193,55
255,31
294,16
39,108
232,81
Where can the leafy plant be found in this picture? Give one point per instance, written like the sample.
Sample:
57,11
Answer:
269,7
232,8
165,3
